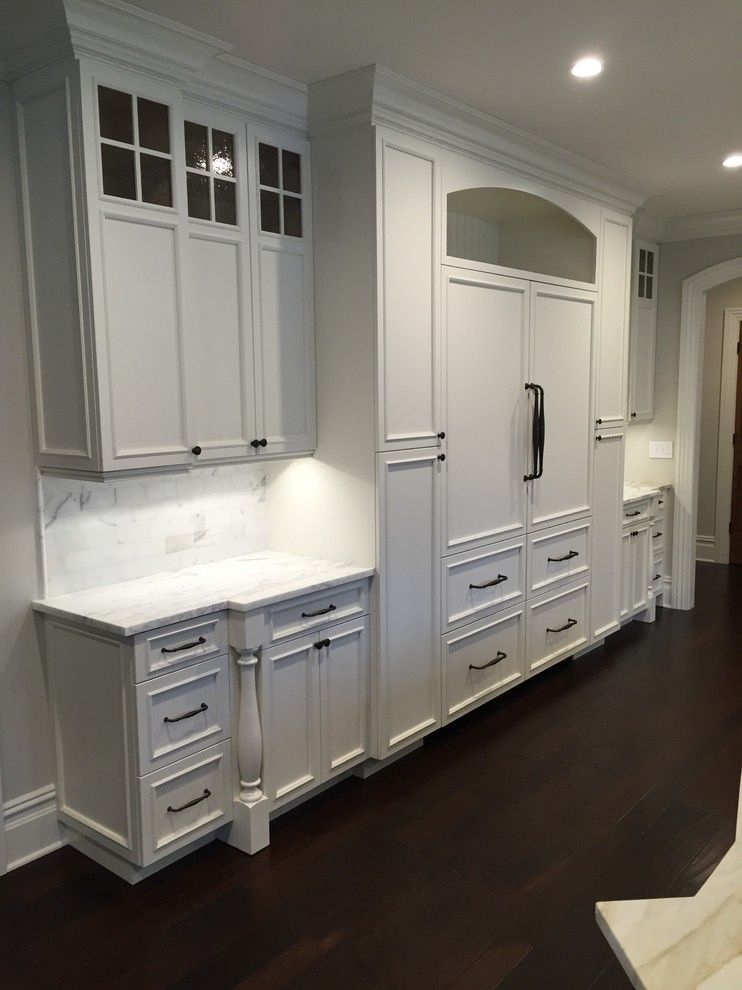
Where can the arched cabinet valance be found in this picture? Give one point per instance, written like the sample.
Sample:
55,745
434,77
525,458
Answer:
514,229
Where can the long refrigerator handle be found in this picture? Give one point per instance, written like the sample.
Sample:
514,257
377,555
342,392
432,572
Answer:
538,432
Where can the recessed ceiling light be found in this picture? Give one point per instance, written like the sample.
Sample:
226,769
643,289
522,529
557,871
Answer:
586,68
733,161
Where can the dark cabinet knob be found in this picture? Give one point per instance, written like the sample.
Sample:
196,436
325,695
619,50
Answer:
196,450
441,457
633,415
599,438
255,444
441,436
598,422
263,442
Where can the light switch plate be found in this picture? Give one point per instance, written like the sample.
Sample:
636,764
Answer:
660,449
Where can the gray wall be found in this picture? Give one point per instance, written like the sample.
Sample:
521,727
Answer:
24,734
678,260
719,299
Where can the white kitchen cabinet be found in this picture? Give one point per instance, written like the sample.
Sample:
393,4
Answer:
408,689
644,287
557,626
408,272
608,480
154,285
486,366
315,701
612,337
561,362
636,564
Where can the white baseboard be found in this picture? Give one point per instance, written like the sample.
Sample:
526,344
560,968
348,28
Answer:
31,826
705,549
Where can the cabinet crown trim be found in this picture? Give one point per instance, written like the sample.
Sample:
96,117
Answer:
375,95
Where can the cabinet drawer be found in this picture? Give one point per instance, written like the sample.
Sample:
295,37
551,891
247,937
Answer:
636,512
179,644
557,626
478,581
291,618
482,660
557,556
185,801
658,574
658,536
182,712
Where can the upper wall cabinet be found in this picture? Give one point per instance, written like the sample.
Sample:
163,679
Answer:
509,228
643,330
611,369
169,269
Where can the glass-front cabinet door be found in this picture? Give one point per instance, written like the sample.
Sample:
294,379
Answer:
218,318
283,308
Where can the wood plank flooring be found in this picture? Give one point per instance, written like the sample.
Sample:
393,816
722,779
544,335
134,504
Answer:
473,863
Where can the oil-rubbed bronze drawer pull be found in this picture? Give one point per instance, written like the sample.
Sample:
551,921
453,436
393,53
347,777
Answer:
206,794
196,711
490,663
656,577
657,536
630,515
490,584
567,556
321,611
567,625
186,646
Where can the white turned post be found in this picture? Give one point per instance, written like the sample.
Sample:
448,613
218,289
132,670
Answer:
249,830
249,734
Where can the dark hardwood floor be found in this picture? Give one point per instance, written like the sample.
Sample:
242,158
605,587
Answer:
475,862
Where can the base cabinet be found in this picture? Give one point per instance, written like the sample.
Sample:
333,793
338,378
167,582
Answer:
315,699
636,563
557,626
606,603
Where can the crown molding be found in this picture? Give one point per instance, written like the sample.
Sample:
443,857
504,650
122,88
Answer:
648,226
23,59
375,95
201,65
698,225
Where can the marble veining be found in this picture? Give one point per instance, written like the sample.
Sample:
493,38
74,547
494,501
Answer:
683,943
97,533
238,583
638,492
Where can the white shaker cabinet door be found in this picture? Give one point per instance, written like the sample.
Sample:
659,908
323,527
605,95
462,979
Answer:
408,701
290,719
562,324
486,356
408,266
612,357
344,695
606,533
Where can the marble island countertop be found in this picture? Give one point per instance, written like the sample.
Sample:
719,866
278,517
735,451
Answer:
238,583
637,492
683,943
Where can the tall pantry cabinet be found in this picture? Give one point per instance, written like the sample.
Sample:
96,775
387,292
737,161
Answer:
472,331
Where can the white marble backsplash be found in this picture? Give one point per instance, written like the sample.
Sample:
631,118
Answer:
96,533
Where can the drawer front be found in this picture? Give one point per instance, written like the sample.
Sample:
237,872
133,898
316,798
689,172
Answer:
658,536
300,615
182,712
482,660
478,581
658,574
557,556
636,512
557,626
179,644
185,801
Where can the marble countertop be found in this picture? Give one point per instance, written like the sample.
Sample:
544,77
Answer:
637,492
238,583
682,943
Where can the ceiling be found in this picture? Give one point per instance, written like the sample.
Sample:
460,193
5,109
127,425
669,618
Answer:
666,110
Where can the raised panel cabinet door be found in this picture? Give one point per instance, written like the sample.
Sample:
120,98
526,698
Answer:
143,336
611,365
409,567
285,349
608,470
291,719
562,323
343,663
642,339
486,356
219,351
626,572
408,263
